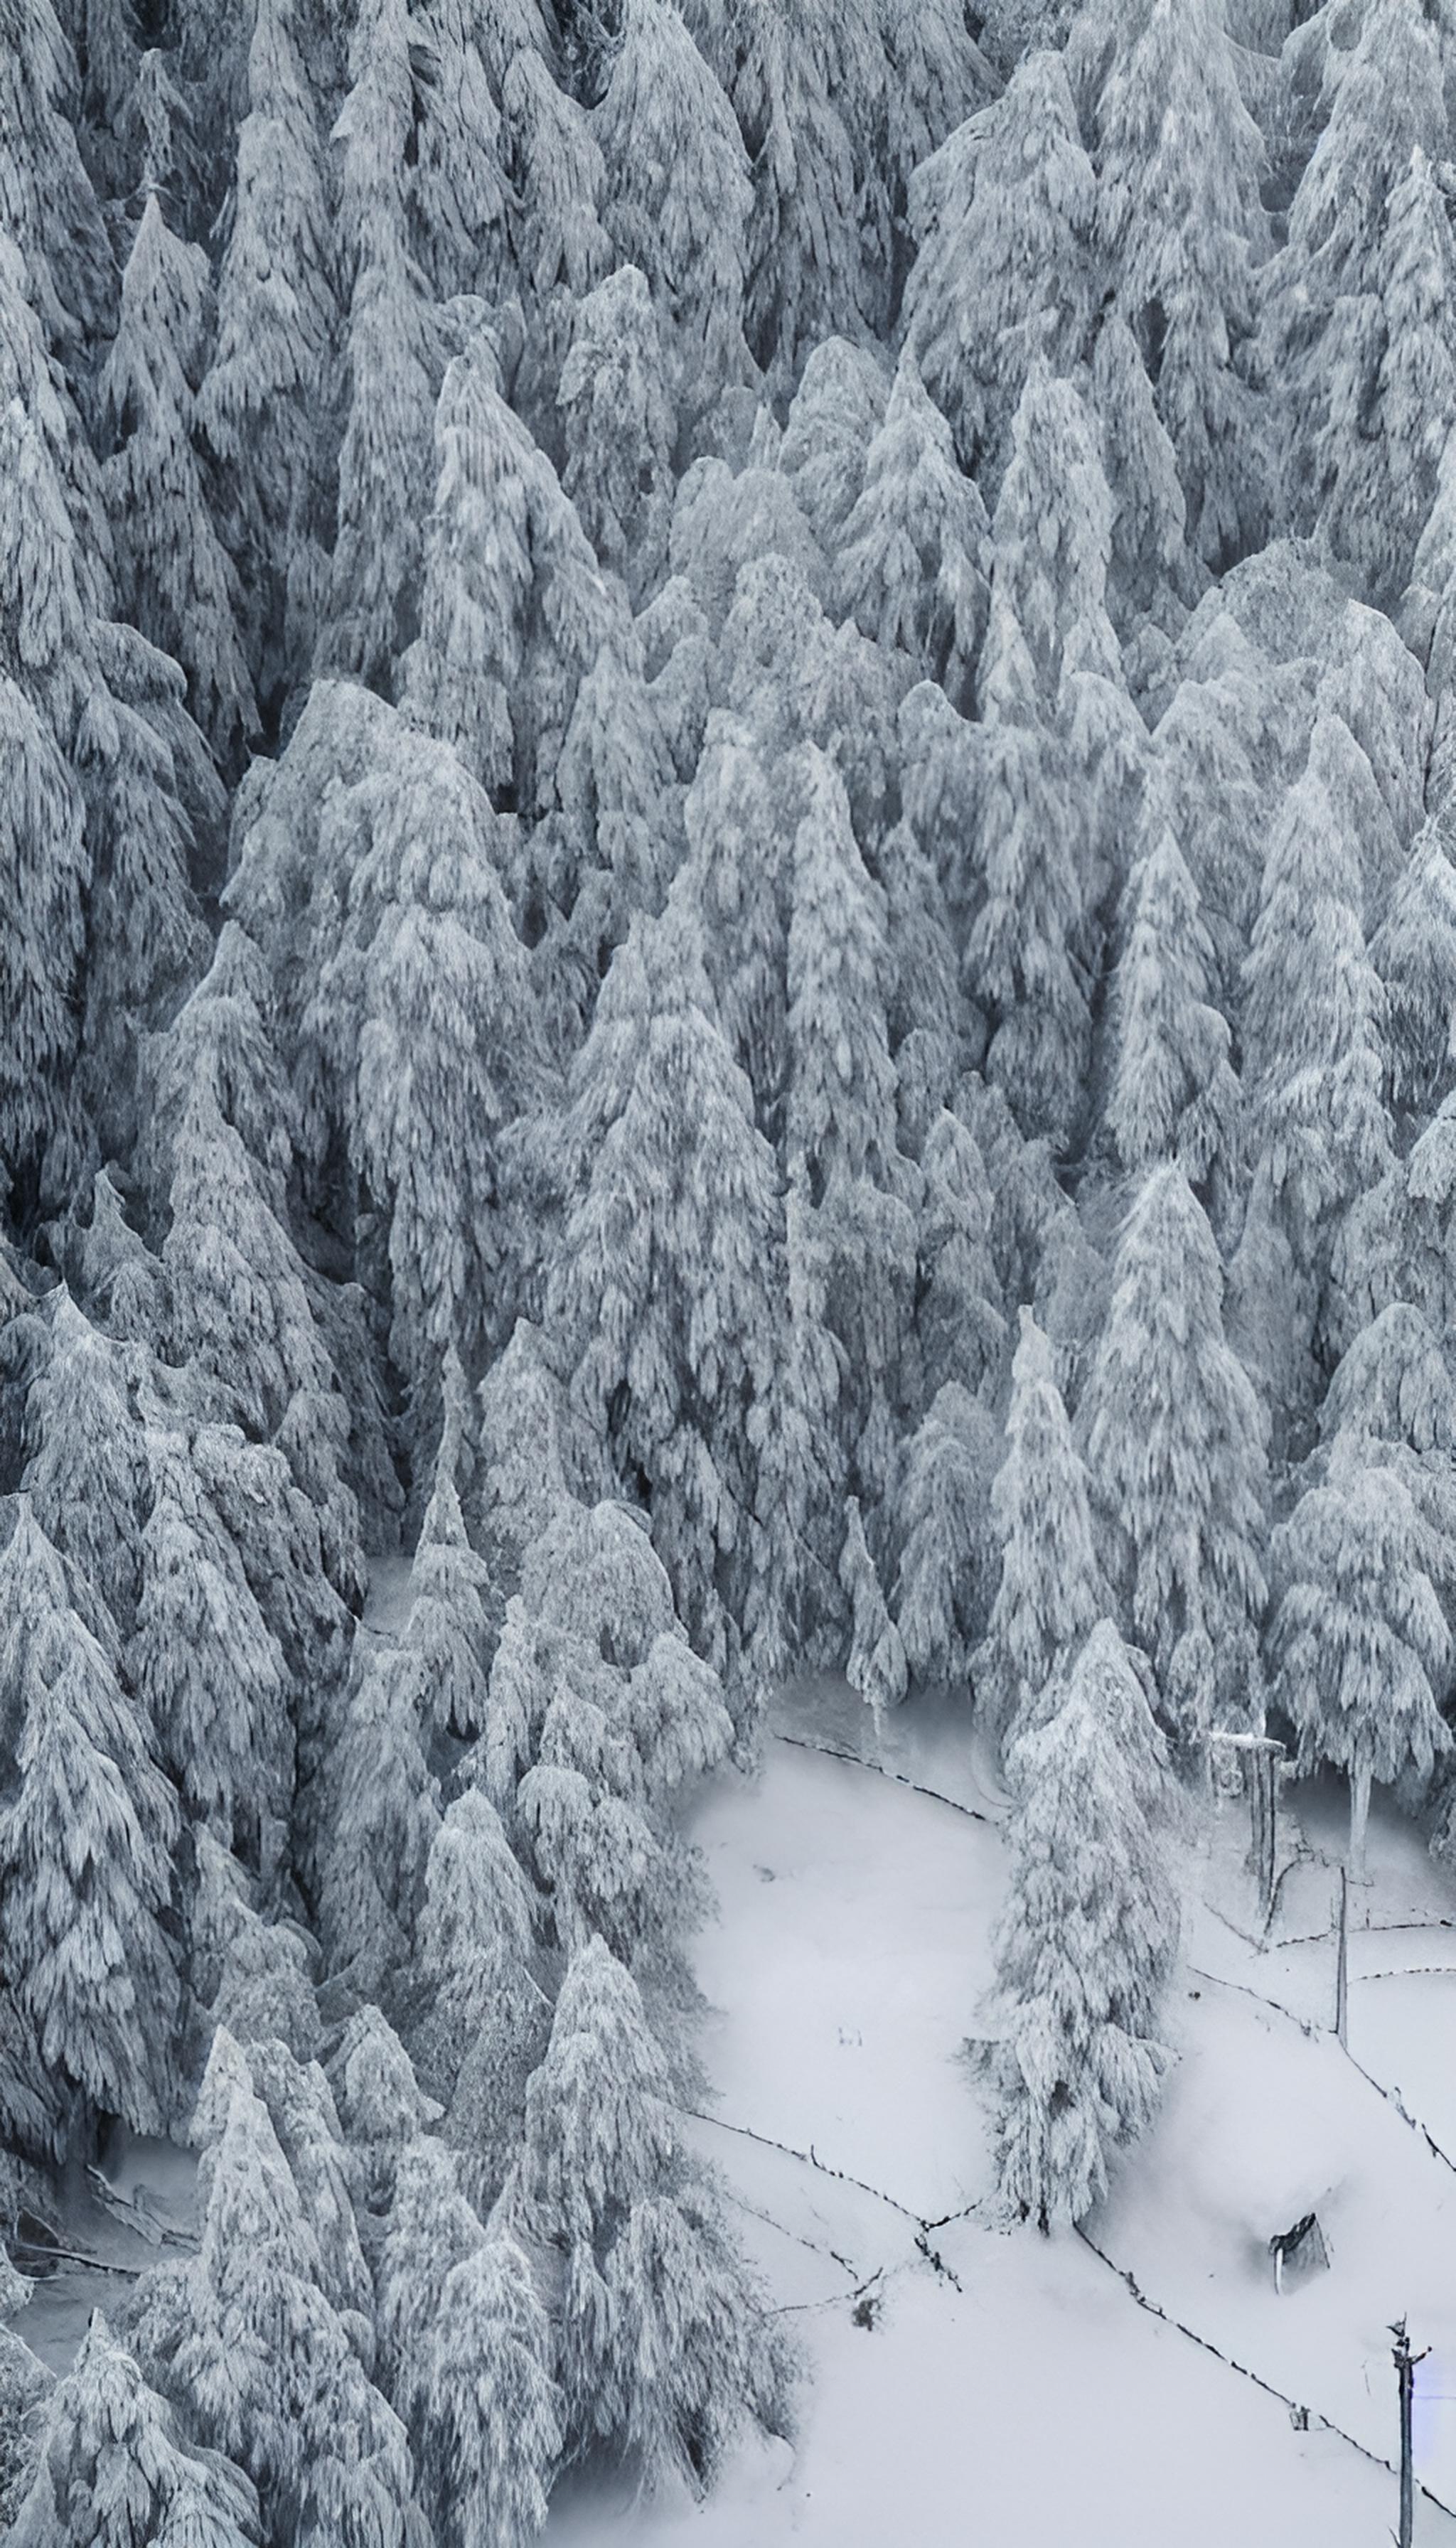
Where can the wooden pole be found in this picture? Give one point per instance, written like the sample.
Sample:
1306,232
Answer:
1261,1756
1404,2362
1342,1966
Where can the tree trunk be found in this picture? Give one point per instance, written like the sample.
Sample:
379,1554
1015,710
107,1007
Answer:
1359,1815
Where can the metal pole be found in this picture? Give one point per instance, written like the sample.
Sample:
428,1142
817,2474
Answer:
1404,2362
1342,1968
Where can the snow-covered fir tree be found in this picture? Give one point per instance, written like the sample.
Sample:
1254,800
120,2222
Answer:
1085,1941
1174,1093
1006,205
1174,1441
174,578
1051,1593
1180,226
322,2446
1358,1643
114,2472
661,2346
86,1847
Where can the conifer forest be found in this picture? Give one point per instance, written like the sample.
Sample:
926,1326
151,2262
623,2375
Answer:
727,953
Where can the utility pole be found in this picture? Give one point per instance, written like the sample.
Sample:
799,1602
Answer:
1342,1966
1404,2362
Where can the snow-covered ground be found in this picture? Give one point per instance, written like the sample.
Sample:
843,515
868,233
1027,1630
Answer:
967,2381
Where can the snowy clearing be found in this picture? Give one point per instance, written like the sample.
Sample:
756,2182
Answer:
845,1971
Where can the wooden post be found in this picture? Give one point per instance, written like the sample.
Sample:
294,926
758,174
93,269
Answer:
1404,2362
1261,1756
1342,1966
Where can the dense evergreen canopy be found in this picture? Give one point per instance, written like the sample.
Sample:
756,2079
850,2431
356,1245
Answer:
726,916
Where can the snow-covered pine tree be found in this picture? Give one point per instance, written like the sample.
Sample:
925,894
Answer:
466,2345
86,1846
1214,786
535,1451
1392,1405
240,1311
1050,684
86,1474
1020,963
218,1042
664,1276
1418,1198
1174,1438
302,2110
1173,1094
147,938
617,839
806,259
598,1699
383,1815
1425,614
1085,1941
1051,545
251,1976
382,2106
448,1630
558,176
934,78
915,548
208,1667
277,1534
26,2388
1180,226
1150,574
420,1026
1314,1023
959,1329
483,2035
841,1111
244,2335
1413,950
1003,206
1381,454
876,1666
678,214
1051,1594
492,2436
115,2473
615,426
262,403
47,203
833,417
395,349
459,179
1373,684
44,872
661,2345
1322,333
57,536
174,576
1359,1649
114,708
513,606
940,1514
429,2227
738,874
841,1128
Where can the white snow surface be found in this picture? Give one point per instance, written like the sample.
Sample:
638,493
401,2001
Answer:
1015,2390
